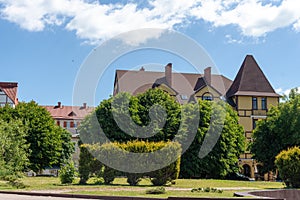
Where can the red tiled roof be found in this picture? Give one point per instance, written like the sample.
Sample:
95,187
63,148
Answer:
69,112
10,89
250,80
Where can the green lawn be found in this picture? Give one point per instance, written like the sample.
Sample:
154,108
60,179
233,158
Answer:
121,188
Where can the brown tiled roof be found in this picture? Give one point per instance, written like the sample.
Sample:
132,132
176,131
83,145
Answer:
10,89
69,112
251,81
182,83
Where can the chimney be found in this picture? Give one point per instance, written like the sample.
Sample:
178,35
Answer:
168,73
207,75
84,105
59,104
142,69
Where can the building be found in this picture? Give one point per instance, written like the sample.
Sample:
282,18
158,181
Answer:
69,117
184,87
8,94
250,94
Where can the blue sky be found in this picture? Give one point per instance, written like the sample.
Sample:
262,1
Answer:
44,43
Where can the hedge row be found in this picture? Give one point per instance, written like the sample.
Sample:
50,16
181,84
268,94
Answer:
160,161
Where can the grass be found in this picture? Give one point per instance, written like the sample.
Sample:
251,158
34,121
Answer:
121,188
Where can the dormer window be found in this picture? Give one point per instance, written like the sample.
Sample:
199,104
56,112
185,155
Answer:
184,97
207,96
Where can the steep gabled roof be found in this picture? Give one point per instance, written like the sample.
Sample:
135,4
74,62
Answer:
10,89
251,81
202,83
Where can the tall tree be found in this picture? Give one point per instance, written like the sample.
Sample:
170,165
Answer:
160,118
13,151
125,117
223,157
278,132
48,144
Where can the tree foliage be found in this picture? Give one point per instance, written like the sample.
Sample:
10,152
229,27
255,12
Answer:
223,159
48,144
13,151
280,131
288,164
145,111
124,105
118,154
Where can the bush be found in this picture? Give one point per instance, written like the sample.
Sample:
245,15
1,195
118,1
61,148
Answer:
67,173
134,179
88,165
207,189
158,190
288,164
109,175
119,151
166,175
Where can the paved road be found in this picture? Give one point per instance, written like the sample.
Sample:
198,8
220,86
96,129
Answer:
27,197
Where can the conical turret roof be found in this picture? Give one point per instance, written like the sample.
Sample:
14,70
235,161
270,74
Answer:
251,81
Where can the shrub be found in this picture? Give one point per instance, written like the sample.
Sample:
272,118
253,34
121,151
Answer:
88,165
109,175
207,189
166,174
158,190
119,151
67,173
134,179
288,164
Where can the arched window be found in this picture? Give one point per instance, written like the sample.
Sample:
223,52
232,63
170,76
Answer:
207,96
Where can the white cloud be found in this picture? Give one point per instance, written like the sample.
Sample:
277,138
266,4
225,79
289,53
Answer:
285,92
95,22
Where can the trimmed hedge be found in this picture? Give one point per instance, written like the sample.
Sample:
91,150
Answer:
119,151
288,164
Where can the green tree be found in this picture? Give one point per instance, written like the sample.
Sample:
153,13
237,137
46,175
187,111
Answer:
13,151
288,164
280,131
223,159
133,109
146,111
48,144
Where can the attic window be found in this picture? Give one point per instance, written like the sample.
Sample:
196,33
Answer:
184,97
207,97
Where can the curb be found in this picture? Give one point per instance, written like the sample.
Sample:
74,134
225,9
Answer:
79,196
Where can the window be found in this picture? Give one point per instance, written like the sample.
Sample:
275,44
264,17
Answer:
207,97
263,103
254,103
184,97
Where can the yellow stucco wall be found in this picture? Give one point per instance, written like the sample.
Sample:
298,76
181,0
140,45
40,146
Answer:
206,90
272,101
167,89
244,102
246,122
